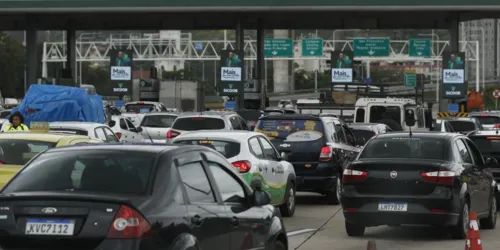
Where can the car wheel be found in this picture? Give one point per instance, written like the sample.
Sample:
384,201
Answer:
491,221
354,229
287,209
459,231
338,188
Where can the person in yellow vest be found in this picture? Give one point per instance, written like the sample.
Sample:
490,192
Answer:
16,123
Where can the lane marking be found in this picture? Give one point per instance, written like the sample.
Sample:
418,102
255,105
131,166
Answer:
298,232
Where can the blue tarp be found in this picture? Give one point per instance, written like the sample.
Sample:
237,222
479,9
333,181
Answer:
51,103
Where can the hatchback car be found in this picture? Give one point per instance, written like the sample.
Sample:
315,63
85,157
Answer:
136,197
464,125
363,132
253,156
155,126
487,118
91,129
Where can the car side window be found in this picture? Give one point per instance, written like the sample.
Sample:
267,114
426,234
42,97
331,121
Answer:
255,148
196,183
130,125
349,136
100,134
244,125
163,108
235,123
269,152
340,133
476,154
110,135
464,152
230,189
360,115
123,124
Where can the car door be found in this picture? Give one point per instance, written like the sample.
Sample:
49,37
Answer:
134,135
124,130
262,164
209,221
471,174
485,177
111,137
250,224
276,179
351,150
99,134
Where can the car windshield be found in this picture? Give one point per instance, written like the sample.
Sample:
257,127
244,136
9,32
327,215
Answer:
19,152
462,126
361,136
139,108
70,131
488,120
158,121
405,147
227,148
487,144
291,130
121,172
198,123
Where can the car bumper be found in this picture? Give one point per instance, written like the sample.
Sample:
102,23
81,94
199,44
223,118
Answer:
106,244
319,184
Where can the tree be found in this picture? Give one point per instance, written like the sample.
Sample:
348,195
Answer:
12,59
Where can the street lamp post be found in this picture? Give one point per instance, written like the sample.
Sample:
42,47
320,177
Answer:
482,52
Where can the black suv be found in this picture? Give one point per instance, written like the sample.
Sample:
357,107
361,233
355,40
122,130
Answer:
319,148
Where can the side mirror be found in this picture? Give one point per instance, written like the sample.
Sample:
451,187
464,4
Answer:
261,198
491,163
256,184
139,129
111,123
410,117
283,156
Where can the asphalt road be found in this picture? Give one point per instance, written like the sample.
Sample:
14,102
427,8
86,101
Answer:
327,221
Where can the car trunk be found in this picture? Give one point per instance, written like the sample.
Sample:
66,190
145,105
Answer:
405,179
303,155
156,127
58,219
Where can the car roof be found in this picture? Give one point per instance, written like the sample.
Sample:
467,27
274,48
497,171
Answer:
292,117
39,136
131,147
212,114
465,119
366,125
493,132
162,113
82,125
427,134
232,135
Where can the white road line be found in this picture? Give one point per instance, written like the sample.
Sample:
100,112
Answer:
301,231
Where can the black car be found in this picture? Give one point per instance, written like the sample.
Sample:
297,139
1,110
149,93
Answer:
424,178
136,197
319,148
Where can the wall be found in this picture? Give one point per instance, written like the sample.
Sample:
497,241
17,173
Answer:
173,92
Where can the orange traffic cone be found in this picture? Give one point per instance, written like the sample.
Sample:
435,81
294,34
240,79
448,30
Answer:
371,245
473,241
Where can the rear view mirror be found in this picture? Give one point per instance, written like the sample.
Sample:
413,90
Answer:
111,124
410,117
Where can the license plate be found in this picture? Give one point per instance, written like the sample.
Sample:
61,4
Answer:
49,227
393,207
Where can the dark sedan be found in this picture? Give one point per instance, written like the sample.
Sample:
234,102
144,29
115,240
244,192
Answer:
424,178
136,197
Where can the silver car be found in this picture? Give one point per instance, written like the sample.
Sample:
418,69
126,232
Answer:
155,126
487,118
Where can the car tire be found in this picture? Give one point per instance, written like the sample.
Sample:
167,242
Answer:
287,209
491,221
459,231
354,229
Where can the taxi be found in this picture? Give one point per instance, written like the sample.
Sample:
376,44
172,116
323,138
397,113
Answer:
17,148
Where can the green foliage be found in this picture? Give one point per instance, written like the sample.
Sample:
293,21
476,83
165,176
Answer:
12,58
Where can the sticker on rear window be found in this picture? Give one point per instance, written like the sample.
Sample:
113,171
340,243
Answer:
304,136
309,125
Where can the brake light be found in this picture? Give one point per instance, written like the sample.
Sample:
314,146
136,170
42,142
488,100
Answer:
493,137
242,166
350,175
129,224
497,125
326,153
255,124
118,134
483,115
140,102
440,177
172,134
197,118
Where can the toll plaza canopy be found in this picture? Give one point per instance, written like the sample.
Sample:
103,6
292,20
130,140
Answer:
224,14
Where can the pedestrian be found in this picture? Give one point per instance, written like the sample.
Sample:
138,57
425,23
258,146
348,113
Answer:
16,123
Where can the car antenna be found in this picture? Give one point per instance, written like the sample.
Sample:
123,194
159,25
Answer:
151,139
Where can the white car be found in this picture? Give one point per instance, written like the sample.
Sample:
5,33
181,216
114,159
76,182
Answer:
91,129
155,126
135,110
125,130
253,156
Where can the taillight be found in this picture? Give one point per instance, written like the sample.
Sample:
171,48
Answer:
497,125
172,134
255,124
440,177
129,224
350,175
326,153
374,134
118,134
242,166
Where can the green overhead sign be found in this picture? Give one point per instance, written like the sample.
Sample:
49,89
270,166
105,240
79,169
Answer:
371,47
278,47
312,47
410,80
420,47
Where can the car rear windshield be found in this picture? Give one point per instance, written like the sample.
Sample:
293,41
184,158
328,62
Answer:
291,130
140,108
158,121
487,144
120,172
488,120
361,136
405,147
19,152
462,126
70,131
227,148
198,123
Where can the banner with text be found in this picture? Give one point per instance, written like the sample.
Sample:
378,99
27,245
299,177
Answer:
231,73
453,75
121,62
342,67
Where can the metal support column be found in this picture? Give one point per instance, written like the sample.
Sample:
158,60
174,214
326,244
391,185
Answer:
260,64
71,55
454,46
240,43
31,54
